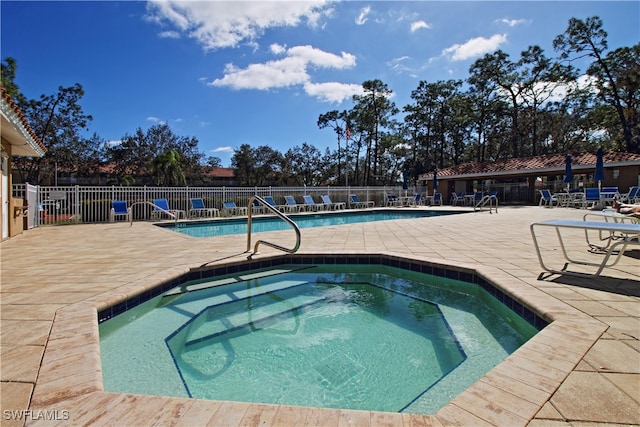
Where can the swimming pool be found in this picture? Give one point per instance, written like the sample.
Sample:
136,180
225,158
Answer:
196,343
221,227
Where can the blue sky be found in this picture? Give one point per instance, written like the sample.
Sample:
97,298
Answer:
261,73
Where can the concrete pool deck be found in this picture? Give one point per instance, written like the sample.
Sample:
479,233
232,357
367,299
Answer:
583,369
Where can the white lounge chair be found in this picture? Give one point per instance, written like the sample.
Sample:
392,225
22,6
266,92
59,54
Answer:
161,206
233,209
547,199
311,205
331,205
292,205
198,209
357,203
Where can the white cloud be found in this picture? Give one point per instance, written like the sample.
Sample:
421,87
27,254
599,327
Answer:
363,15
226,149
291,70
169,35
155,120
512,22
474,47
217,24
417,25
332,91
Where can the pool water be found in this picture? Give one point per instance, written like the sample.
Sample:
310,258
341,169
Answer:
272,223
329,336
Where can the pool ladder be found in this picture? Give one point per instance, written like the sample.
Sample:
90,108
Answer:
281,216
487,200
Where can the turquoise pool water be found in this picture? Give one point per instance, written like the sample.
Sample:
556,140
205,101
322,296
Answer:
271,223
342,336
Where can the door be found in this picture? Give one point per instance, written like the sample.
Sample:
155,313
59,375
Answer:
5,197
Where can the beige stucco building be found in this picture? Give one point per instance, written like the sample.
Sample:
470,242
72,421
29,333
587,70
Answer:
18,139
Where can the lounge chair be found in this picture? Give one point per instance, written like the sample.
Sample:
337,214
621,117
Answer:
633,196
357,203
271,201
256,207
547,199
119,208
292,205
233,209
331,205
198,209
436,199
311,205
162,207
417,200
393,200
456,198
591,195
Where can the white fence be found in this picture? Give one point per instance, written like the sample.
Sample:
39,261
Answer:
80,204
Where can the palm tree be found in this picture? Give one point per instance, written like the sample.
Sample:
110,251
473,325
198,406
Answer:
166,169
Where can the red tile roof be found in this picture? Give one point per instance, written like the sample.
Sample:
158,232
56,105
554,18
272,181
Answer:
22,118
548,163
221,172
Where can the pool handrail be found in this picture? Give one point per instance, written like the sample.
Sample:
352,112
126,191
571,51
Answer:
171,214
282,216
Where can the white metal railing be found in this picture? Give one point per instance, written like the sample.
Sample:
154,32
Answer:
92,204
282,216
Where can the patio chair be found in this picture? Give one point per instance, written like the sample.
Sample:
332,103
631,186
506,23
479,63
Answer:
331,205
161,206
631,197
311,205
393,200
233,209
547,199
198,209
256,207
271,201
417,200
119,208
591,195
436,199
457,198
357,203
291,204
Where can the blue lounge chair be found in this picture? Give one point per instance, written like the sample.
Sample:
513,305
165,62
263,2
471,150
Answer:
547,199
457,198
162,207
233,209
119,208
331,205
417,200
311,205
271,201
393,200
198,209
357,203
633,196
437,199
292,205
591,195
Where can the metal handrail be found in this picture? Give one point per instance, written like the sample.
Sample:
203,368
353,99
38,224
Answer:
175,217
282,217
489,199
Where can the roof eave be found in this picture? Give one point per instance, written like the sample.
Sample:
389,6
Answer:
15,133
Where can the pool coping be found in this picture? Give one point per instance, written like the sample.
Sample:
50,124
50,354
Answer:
512,393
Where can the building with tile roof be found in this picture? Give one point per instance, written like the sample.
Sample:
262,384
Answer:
517,180
18,139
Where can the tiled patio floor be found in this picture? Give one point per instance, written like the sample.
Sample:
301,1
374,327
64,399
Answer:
583,369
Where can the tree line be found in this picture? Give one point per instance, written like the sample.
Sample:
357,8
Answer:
505,108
